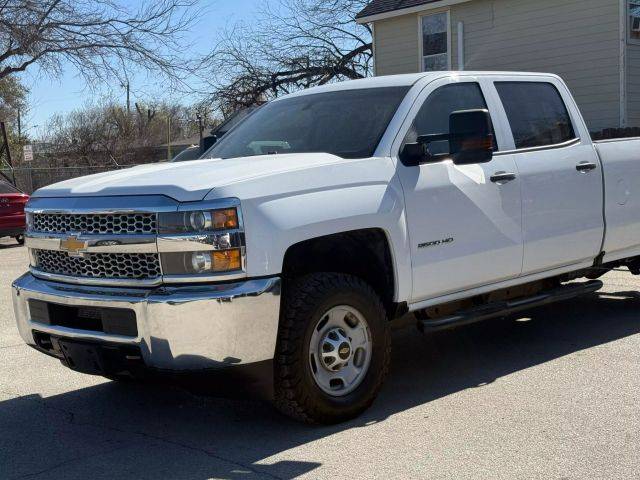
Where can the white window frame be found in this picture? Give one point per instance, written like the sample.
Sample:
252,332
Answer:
634,41
421,40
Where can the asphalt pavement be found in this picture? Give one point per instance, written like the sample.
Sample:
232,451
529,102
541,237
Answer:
554,394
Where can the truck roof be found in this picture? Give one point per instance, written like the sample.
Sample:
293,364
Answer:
404,80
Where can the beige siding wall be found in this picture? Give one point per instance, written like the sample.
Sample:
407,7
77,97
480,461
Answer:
633,85
577,39
396,44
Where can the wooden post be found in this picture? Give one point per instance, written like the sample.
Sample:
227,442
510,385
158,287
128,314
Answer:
169,138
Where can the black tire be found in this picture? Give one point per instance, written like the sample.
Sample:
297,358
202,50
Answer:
19,239
306,299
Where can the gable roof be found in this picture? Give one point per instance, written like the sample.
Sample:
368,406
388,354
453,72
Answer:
376,7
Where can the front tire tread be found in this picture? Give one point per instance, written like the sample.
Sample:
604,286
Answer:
293,397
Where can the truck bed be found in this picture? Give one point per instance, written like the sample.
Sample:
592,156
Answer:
620,159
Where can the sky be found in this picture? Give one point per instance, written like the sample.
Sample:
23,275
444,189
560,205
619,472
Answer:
57,96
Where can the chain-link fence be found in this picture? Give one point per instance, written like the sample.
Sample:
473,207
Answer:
49,168
29,179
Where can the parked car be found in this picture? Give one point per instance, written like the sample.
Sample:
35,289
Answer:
190,153
453,196
12,216
234,120
194,152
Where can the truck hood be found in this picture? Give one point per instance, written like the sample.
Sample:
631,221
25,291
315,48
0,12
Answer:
186,181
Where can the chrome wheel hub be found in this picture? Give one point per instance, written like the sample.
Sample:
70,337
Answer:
335,349
340,350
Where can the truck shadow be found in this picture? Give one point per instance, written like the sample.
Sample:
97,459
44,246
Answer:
157,431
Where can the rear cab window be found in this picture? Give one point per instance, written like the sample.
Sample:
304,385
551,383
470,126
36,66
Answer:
537,114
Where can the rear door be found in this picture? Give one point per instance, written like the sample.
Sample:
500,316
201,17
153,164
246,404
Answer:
559,172
464,225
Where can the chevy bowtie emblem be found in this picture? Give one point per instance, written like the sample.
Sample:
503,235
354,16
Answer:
73,246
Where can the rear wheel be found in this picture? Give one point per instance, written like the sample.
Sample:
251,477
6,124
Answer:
334,348
19,239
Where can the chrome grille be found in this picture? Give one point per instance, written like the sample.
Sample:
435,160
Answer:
99,265
101,224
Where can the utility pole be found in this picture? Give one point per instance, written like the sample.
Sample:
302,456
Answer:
128,100
168,137
126,86
200,127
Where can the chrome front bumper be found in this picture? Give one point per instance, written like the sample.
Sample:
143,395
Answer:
180,328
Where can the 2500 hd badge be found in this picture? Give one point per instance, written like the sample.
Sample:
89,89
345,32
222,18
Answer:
436,243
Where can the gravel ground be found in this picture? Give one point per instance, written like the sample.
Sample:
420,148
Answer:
554,395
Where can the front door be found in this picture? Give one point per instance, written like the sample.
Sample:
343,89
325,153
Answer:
464,221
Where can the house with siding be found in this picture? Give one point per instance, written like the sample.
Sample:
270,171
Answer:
593,44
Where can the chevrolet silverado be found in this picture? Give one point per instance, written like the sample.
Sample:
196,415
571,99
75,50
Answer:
283,254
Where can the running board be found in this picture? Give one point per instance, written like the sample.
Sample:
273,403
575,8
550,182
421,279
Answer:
502,309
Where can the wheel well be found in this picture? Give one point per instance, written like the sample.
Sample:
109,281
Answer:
362,253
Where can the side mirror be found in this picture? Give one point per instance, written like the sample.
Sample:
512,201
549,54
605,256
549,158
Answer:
471,137
413,154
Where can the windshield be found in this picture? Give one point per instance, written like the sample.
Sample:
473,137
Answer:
346,123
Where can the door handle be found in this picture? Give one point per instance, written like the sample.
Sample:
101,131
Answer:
502,177
584,167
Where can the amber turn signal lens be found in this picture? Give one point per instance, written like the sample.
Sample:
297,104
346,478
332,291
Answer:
227,260
225,219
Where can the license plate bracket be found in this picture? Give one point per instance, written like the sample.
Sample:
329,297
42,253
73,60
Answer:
82,357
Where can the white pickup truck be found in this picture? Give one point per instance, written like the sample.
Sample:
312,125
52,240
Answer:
282,256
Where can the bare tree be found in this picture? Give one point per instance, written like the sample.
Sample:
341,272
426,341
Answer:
104,134
291,45
101,38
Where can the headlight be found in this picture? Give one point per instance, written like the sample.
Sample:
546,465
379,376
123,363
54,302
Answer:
190,263
204,239
198,221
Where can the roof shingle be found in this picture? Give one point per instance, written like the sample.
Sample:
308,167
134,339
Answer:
382,6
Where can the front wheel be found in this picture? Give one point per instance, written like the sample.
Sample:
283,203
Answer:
334,348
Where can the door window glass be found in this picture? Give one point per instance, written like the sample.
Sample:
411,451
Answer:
536,112
433,117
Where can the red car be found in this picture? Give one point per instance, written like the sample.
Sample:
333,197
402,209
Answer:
12,217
